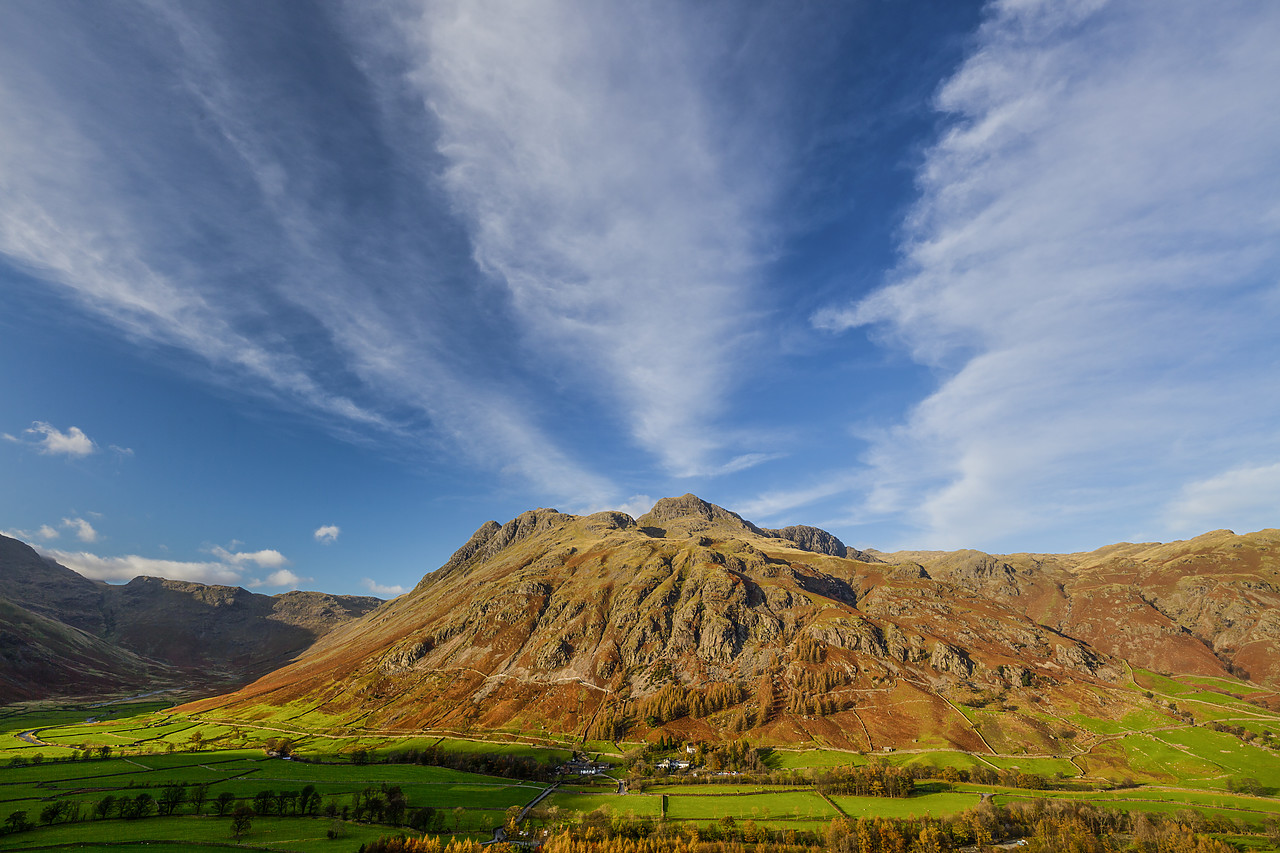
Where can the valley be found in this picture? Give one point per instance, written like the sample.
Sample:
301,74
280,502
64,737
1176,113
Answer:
746,684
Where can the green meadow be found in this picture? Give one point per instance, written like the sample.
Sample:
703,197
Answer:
129,749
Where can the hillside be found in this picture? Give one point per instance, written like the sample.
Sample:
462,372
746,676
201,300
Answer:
67,635
691,621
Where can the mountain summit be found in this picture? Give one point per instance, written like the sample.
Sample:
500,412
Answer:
692,621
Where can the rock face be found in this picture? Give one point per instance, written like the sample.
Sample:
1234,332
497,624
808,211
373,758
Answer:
590,625
69,635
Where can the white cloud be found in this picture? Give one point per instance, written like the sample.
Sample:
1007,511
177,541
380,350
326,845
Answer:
265,559
131,566
599,188
47,532
96,215
53,441
84,530
282,578
123,451
327,534
1245,499
228,568
382,591
774,503
1091,271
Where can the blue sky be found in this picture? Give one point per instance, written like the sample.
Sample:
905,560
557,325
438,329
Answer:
300,294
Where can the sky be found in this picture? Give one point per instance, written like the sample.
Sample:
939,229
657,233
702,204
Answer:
300,294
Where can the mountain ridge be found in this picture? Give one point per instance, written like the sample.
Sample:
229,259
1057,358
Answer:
590,625
180,633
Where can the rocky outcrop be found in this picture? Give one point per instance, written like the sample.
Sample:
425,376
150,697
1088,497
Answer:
813,539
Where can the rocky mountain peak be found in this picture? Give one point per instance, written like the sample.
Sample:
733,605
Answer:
689,514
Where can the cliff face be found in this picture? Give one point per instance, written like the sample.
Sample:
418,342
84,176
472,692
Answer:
593,625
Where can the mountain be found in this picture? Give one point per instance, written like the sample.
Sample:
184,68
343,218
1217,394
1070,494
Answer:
61,633
693,622
36,652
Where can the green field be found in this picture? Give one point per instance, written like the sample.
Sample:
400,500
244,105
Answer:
151,749
935,805
772,806
177,834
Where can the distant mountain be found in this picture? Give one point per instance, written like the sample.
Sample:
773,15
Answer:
693,622
62,634
38,653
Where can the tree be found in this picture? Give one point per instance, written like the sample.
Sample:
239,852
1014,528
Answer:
241,820
104,807
262,802
197,795
16,822
172,797
421,819
224,801
308,800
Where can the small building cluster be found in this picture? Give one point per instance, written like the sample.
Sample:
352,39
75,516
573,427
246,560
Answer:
672,765
584,767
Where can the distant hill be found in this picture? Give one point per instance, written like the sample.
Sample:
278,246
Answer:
692,622
62,634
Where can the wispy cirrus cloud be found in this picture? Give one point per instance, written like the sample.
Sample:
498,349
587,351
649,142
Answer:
598,187
1246,497
1091,270
150,199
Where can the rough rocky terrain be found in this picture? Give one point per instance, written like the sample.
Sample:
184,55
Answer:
691,621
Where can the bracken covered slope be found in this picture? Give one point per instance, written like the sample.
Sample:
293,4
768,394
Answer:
691,621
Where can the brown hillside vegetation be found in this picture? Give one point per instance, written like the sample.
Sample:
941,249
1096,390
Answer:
692,622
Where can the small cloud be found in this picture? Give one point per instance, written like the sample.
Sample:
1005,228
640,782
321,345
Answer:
282,578
53,441
47,532
12,438
268,558
84,530
383,591
123,451
328,534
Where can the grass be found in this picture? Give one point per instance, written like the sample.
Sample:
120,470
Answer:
762,807
177,833
641,804
791,759
937,805
1227,752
